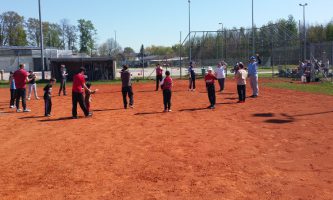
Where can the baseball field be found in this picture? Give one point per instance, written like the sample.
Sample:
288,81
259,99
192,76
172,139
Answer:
277,146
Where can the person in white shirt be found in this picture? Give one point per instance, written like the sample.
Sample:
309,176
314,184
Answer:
220,74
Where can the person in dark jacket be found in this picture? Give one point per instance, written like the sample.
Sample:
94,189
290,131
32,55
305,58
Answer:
191,77
126,87
47,97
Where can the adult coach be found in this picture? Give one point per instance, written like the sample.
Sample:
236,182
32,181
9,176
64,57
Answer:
63,79
21,78
126,86
79,84
159,75
253,74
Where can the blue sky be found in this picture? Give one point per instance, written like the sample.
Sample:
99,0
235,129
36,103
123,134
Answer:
159,22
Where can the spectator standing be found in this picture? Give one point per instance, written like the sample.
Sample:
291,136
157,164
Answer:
63,79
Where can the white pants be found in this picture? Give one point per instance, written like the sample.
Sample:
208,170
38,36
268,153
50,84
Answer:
254,84
32,87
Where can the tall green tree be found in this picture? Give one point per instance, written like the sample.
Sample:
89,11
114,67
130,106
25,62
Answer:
12,32
87,35
329,31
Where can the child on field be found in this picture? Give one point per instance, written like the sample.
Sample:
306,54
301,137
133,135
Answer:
47,97
166,85
12,89
210,85
87,98
240,77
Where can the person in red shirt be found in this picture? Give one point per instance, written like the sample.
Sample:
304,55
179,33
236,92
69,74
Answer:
159,75
210,85
166,85
21,78
79,84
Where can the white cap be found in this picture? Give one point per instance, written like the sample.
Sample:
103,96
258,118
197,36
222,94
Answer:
210,69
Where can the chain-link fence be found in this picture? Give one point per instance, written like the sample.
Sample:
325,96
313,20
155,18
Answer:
279,47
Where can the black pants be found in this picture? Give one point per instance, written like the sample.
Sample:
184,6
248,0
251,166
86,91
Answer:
12,97
221,83
78,97
167,99
158,80
241,92
192,83
48,105
127,91
211,94
20,93
62,86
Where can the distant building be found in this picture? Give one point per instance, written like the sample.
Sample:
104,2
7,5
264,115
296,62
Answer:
12,56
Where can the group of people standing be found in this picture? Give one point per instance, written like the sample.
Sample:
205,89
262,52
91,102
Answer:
240,76
19,78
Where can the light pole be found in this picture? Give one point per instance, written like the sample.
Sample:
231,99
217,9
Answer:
221,39
41,41
253,39
304,29
189,29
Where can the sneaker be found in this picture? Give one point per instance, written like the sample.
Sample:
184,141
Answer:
131,106
165,110
28,99
254,96
212,107
11,106
18,110
169,110
37,98
26,110
74,117
89,115
48,115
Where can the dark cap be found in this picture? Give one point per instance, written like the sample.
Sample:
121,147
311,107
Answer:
82,69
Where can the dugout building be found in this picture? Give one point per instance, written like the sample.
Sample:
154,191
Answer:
97,68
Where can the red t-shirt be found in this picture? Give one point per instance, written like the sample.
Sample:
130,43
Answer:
78,82
159,71
20,77
167,84
210,79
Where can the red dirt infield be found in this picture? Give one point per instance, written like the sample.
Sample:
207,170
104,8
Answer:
277,146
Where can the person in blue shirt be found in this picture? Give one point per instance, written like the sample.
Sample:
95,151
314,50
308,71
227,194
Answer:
12,89
255,61
191,77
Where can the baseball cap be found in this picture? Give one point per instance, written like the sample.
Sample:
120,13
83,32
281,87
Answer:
253,58
210,69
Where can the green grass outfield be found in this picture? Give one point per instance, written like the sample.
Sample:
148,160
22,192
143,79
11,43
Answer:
317,88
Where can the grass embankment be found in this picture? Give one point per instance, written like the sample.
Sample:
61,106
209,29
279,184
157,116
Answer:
317,88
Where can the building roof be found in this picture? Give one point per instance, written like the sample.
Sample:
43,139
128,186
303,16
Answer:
81,59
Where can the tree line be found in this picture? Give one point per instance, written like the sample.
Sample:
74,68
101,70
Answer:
15,30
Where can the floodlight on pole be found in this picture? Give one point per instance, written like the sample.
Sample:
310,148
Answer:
304,29
41,41
189,29
221,39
